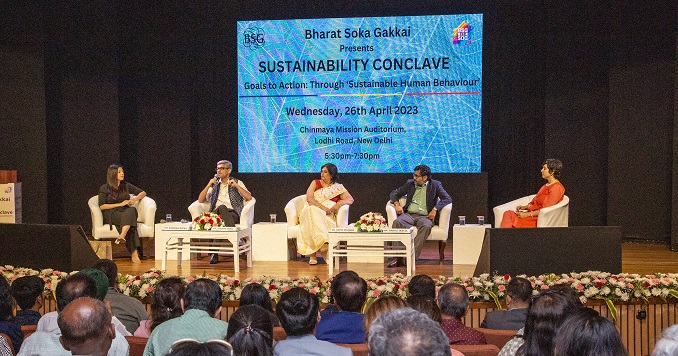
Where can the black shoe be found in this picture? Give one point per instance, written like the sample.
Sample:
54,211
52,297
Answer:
397,262
214,259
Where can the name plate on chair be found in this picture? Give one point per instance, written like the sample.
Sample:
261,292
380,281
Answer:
224,228
396,231
177,227
344,229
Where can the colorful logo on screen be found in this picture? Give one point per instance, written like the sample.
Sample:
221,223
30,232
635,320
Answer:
253,38
462,34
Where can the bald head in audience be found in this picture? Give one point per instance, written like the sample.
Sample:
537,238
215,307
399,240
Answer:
86,327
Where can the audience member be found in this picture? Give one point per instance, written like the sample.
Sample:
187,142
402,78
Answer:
86,327
256,294
453,302
426,305
202,304
518,293
165,305
27,292
342,322
7,324
546,313
48,322
45,341
130,311
586,333
250,331
405,331
297,311
381,305
190,347
668,344
422,284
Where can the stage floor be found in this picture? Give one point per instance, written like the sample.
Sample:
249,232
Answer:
636,258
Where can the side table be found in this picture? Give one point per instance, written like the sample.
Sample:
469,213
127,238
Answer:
269,241
467,241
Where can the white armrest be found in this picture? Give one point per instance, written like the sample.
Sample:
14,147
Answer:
95,212
342,216
196,208
444,219
556,215
247,214
146,209
499,209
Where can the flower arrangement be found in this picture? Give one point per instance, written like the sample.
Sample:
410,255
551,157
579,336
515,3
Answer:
484,288
371,222
206,221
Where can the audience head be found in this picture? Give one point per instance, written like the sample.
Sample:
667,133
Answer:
668,344
425,305
424,171
256,294
27,291
86,327
453,300
166,302
349,291
406,331
191,347
545,315
554,166
380,306
74,287
250,331
422,284
332,171
297,311
586,333
520,291
6,300
100,280
110,269
203,294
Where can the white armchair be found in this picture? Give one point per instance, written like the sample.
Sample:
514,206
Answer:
438,232
552,216
246,216
145,222
292,210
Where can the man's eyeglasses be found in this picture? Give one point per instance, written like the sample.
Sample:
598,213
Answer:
221,168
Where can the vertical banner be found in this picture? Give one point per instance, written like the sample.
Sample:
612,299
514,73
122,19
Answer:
370,94
10,203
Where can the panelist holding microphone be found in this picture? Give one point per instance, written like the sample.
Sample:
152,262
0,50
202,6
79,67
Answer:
227,196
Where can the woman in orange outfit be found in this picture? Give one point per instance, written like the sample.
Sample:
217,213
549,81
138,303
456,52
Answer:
550,194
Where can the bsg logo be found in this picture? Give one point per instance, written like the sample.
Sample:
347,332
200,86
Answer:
254,37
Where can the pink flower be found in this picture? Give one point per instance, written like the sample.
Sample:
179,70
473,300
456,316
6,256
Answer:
580,287
470,288
288,288
313,291
377,292
502,287
149,289
544,286
301,285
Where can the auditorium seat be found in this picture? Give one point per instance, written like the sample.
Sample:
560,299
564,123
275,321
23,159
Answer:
9,342
27,330
279,333
358,349
438,232
476,350
145,222
553,216
498,338
246,215
292,210
136,345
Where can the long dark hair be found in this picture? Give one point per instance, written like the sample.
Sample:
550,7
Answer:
114,190
166,303
545,315
6,301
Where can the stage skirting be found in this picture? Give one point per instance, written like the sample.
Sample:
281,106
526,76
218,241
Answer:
639,336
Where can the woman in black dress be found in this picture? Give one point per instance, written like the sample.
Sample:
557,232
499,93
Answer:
116,201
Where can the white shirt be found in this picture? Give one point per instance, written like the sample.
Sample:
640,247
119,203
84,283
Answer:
224,198
48,323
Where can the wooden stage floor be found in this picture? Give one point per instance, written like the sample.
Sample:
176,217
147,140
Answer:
638,258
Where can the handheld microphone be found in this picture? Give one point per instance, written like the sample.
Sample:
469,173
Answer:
217,178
